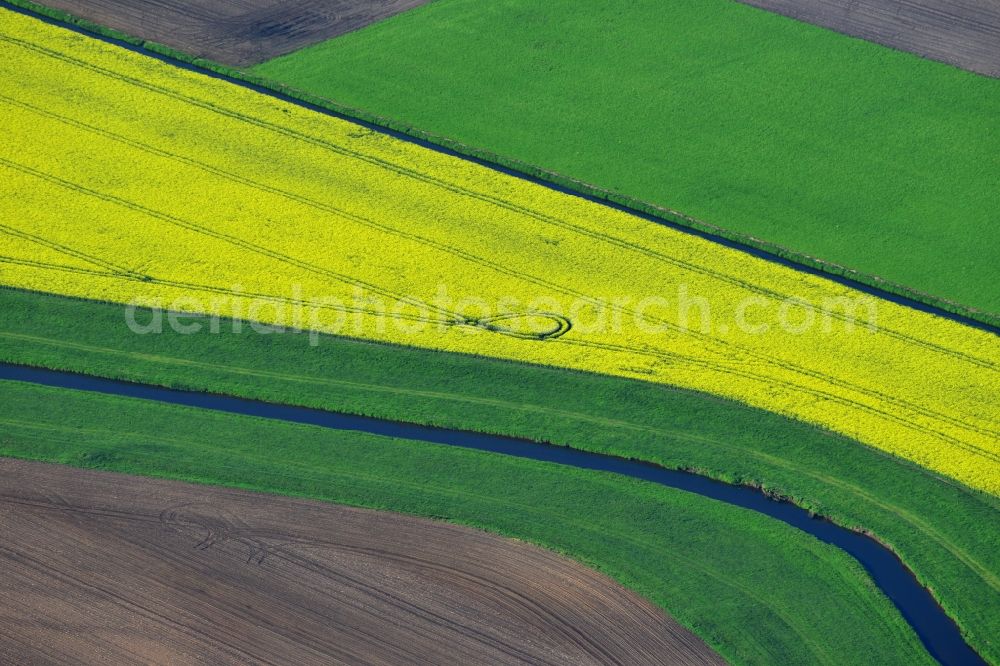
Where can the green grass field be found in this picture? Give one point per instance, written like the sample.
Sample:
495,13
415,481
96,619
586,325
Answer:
717,568
946,533
786,136
829,146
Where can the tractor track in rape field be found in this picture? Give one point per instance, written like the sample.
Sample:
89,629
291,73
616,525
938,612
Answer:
457,318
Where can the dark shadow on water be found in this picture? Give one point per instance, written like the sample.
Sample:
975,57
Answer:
938,632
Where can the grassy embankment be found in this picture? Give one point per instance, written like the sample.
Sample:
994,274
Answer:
777,131
720,570
947,534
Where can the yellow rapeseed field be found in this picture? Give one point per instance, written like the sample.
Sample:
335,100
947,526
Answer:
129,180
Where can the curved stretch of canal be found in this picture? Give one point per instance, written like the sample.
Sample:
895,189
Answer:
938,632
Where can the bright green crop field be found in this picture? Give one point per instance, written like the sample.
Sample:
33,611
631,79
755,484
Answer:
825,145
948,534
716,568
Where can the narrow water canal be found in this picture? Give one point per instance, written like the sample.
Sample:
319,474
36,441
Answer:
938,632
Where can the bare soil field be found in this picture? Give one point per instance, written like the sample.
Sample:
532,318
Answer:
234,32
964,33
100,567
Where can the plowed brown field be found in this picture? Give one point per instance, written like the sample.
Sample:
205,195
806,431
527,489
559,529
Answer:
234,32
119,569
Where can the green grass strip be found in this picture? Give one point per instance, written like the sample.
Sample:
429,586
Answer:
947,534
757,590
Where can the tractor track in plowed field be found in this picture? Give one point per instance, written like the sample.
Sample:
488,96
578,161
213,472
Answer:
136,569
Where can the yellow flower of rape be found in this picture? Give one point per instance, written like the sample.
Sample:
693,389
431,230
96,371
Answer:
129,180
